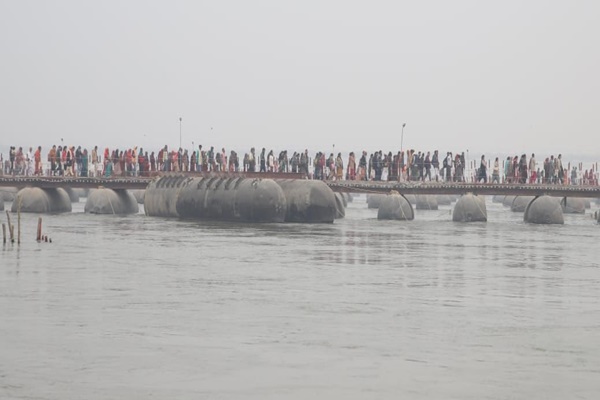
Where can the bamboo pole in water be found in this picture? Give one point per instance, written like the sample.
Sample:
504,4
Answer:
19,221
39,230
10,228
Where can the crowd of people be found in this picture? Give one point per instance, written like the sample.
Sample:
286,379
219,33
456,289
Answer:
378,166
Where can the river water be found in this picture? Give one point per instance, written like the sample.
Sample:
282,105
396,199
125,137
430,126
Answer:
139,307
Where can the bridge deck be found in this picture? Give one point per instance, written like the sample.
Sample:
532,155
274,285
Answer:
53,182
455,188
462,188
67,182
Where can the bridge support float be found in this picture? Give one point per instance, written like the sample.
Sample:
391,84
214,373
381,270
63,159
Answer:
242,200
309,201
573,205
214,198
544,210
520,203
374,200
394,206
427,202
470,208
109,201
36,200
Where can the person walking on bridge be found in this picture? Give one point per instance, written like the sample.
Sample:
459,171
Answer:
496,171
37,158
19,163
448,166
482,170
523,169
339,167
252,160
458,168
532,169
507,170
201,160
362,167
95,160
351,168
270,161
69,158
263,160
435,163
559,170
427,166
29,161
164,160
78,161
303,165
84,163
59,163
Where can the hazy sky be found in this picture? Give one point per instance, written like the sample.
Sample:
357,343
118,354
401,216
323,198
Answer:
493,76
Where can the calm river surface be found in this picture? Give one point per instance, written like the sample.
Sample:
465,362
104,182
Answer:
139,307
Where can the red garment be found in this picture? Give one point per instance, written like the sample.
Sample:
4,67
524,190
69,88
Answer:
533,178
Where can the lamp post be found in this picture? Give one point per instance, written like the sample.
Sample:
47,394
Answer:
180,132
402,137
468,166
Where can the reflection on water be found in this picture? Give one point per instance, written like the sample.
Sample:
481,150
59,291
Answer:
130,307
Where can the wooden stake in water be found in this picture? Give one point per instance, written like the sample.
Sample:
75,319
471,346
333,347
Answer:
19,221
10,228
39,230
4,233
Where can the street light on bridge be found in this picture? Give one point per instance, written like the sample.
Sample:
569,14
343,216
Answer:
402,137
180,132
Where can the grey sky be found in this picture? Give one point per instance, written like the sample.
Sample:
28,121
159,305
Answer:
503,76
